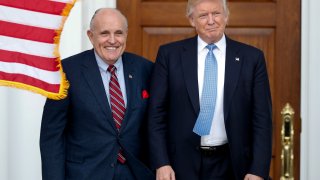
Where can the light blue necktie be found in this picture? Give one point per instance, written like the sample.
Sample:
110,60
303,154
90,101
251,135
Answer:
209,93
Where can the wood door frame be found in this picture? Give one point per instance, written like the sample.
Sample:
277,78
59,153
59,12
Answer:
287,88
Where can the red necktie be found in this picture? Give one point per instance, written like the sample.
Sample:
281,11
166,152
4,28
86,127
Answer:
117,103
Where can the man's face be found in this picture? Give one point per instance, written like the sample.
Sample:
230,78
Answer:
108,35
209,19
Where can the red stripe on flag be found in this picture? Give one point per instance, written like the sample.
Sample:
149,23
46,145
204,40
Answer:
20,78
44,6
49,64
27,32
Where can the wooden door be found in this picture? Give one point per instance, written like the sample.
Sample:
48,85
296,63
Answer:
271,25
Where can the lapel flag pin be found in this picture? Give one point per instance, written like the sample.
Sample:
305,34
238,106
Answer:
237,59
130,76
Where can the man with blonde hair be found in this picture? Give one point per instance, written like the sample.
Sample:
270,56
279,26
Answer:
210,113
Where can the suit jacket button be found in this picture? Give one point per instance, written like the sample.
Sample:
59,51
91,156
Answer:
197,148
112,165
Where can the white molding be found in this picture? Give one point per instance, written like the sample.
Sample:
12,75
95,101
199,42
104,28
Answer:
310,88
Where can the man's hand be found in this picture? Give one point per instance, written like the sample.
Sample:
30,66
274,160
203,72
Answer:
252,177
165,173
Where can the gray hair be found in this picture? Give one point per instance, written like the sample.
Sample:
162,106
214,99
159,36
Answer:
192,3
116,10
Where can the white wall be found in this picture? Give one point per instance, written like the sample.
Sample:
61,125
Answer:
310,90
21,111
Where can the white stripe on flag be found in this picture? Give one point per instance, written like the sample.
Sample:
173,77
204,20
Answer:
31,18
27,46
16,68
63,1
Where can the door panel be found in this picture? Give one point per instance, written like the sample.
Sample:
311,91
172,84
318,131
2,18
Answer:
154,37
273,26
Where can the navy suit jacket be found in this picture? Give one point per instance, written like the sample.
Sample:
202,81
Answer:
79,139
174,107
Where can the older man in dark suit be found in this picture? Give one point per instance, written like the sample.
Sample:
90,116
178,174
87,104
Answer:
97,131
210,108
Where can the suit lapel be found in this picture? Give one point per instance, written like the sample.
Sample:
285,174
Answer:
92,76
189,60
131,86
232,71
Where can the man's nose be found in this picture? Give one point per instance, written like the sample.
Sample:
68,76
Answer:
111,39
210,19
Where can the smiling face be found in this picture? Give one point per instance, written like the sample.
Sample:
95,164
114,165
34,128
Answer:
108,34
209,19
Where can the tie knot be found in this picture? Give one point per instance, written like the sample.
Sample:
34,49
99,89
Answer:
111,69
211,47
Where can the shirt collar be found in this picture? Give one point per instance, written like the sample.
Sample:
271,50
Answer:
221,44
103,66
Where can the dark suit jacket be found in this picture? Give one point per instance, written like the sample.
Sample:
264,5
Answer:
78,138
174,108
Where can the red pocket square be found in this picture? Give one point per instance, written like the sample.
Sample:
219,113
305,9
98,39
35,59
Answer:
145,94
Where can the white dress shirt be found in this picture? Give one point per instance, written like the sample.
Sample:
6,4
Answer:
217,134
103,66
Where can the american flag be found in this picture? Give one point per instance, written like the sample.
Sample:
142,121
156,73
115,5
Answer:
29,40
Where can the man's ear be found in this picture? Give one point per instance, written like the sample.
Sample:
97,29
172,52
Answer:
227,20
191,20
90,35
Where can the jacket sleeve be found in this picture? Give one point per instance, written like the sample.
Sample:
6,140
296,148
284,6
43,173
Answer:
261,121
157,122
52,139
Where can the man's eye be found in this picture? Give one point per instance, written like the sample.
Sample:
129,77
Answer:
104,34
203,16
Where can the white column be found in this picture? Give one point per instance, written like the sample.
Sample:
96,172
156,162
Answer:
24,118
310,88
70,42
3,133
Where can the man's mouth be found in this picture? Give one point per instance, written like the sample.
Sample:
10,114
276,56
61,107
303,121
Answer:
211,29
111,48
